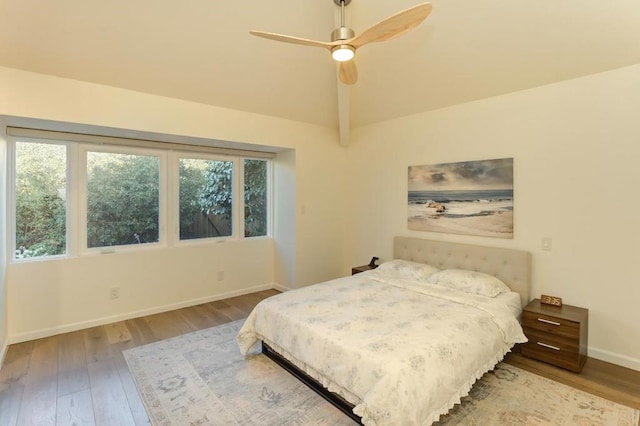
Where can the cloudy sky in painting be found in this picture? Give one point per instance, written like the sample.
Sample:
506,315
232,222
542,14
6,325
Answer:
468,175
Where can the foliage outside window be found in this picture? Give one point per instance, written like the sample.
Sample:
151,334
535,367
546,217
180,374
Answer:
40,196
124,202
206,198
255,198
123,199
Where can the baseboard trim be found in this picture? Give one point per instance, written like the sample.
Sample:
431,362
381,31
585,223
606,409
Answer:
614,358
281,288
46,332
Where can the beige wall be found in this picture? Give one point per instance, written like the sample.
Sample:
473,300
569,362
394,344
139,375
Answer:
52,296
575,149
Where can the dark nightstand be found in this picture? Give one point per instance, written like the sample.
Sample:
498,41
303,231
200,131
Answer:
358,269
557,335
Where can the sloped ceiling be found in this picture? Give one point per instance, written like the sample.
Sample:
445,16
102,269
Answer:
201,50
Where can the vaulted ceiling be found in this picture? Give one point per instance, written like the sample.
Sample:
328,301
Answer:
201,50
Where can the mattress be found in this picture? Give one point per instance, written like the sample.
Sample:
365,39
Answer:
401,351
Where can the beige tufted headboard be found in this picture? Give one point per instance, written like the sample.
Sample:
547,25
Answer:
513,267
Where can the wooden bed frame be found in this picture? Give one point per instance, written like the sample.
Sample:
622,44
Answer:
513,267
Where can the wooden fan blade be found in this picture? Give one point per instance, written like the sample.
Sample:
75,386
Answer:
294,40
348,72
393,26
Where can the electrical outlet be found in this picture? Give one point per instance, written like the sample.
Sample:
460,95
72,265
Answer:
114,293
546,244
220,275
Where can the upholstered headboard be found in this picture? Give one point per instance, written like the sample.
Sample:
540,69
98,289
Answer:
513,267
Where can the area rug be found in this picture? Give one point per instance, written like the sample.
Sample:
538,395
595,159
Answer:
200,378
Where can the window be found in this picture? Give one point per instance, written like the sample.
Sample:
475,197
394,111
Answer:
40,199
206,198
123,199
71,196
255,198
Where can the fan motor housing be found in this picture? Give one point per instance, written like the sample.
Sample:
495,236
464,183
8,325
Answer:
342,33
339,2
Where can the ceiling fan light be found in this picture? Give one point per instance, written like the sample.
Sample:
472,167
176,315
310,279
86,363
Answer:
343,53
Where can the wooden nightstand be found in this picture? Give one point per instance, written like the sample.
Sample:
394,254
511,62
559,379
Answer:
358,269
557,335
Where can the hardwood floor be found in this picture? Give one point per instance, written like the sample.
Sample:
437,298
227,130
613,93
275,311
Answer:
81,378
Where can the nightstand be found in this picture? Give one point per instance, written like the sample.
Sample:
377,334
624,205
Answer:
557,335
358,269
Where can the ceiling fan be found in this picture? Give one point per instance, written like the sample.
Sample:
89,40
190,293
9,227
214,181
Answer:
344,42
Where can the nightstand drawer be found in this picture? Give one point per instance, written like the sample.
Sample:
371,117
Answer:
551,324
553,354
550,340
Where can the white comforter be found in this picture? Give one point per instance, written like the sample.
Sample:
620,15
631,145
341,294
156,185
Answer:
402,352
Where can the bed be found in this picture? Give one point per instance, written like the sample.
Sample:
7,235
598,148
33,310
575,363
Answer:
400,344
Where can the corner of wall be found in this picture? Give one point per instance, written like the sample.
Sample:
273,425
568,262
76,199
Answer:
3,352
3,246
284,214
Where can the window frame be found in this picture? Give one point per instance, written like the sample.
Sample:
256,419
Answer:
269,206
169,208
82,192
12,202
174,162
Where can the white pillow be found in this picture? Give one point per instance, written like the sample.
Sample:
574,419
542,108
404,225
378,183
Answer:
471,282
408,270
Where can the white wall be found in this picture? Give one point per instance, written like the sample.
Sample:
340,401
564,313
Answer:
47,297
575,147
52,296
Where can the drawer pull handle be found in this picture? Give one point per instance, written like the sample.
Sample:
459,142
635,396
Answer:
548,322
555,348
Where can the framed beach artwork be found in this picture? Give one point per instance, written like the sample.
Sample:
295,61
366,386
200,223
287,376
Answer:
469,197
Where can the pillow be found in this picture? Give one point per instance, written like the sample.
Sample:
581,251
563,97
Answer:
408,270
469,282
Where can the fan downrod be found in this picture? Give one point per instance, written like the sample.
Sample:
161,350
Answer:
342,33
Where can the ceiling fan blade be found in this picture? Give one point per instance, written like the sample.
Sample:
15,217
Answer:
393,26
348,72
294,40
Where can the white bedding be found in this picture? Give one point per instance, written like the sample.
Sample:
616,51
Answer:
403,352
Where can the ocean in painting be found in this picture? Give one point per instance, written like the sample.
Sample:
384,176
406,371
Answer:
422,197
487,212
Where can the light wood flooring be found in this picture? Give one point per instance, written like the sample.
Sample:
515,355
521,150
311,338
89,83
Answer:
81,378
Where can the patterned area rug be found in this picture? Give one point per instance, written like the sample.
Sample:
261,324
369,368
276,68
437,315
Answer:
200,378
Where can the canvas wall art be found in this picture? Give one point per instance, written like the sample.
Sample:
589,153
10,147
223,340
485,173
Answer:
470,197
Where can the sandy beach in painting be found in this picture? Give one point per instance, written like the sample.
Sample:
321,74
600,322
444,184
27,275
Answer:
485,213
